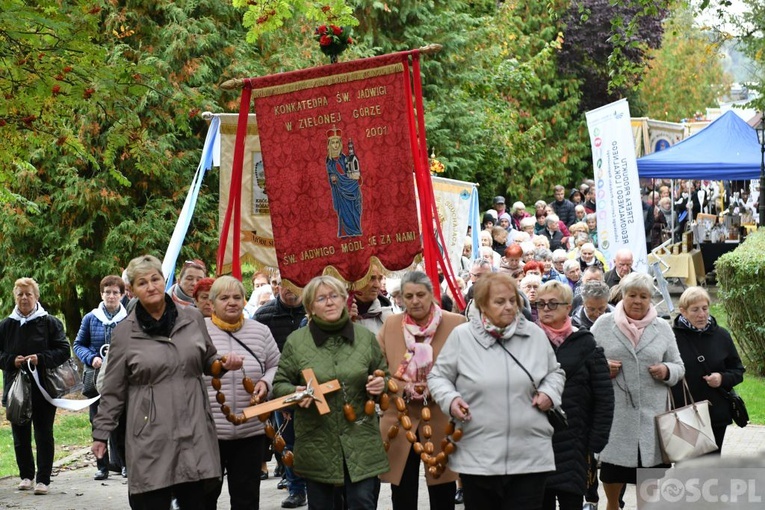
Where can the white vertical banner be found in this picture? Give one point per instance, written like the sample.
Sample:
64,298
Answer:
619,208
453,205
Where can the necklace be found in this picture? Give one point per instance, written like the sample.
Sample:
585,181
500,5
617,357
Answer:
247,384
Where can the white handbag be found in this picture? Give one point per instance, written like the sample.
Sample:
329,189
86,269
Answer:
686,432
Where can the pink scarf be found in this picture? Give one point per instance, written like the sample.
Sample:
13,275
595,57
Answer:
557,336
632,329
418,359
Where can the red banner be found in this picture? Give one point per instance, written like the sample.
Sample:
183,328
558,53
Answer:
338,162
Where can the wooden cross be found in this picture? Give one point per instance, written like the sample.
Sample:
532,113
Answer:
319,390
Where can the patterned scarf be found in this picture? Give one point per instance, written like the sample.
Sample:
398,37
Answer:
39,311
418,359
227,326
632,329
179,297
558,335
685,322
499,333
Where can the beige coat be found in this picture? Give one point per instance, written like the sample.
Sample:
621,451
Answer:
391,338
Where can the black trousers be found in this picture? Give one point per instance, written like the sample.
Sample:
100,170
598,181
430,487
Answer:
190,496
504,492
361,495
566,500
404,495
240,461
43,415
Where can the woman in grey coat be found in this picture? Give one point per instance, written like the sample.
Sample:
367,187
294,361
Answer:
644,362
506,452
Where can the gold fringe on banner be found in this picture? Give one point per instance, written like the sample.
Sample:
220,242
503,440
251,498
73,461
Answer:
328,80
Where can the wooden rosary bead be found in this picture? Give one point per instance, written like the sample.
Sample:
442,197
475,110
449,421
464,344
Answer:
249,386
393,431
444,442
270,431
254,400
406,422
379,373
225,410
432,471
427,431
424,457
216,368
349,413
450,428
418,448
425,414
429,448
411,437
216,384
400,404
369,407
386,445
392,386
441,458
264,417
279,443
231,418
449,448
384,401
220,397
457,435
288,458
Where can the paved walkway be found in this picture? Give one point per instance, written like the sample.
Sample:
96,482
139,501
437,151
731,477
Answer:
73,487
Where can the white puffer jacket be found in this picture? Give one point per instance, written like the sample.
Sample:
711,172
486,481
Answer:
258,338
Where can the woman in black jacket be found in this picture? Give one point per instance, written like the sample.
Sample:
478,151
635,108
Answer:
588,397
699,337
31,336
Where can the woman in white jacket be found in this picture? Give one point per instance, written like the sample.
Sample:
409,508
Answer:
241,446
506,452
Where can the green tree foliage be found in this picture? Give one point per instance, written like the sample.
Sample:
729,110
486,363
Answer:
685,75
106,158
749,32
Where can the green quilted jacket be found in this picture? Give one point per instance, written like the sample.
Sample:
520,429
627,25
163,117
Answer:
322,443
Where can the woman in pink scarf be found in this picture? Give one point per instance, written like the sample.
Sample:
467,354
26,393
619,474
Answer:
588,399
644,361
411,342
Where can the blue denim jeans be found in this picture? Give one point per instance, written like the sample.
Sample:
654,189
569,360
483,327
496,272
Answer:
295,483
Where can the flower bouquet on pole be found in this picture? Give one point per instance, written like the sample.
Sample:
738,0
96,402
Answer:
333,40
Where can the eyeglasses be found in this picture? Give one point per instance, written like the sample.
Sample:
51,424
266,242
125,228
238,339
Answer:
323,299
552,305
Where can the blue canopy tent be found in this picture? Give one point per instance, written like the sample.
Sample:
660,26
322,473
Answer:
725,150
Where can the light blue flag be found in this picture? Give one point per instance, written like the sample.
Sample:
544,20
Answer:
475,222
182,226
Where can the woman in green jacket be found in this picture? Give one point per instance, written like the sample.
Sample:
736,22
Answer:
340,454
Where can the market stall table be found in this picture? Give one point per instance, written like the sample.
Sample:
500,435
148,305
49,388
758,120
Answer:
687,266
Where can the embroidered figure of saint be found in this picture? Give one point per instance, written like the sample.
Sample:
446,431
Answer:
345,182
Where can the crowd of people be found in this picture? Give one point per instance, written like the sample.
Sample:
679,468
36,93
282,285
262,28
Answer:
550,325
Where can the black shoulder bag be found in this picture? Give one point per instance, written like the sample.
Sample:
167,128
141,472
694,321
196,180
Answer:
555,415
735,403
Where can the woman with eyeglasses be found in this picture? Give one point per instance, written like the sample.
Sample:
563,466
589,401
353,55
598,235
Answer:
643,362
497,376
241,446
340,454
182,292
95,333
411,342
588,399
